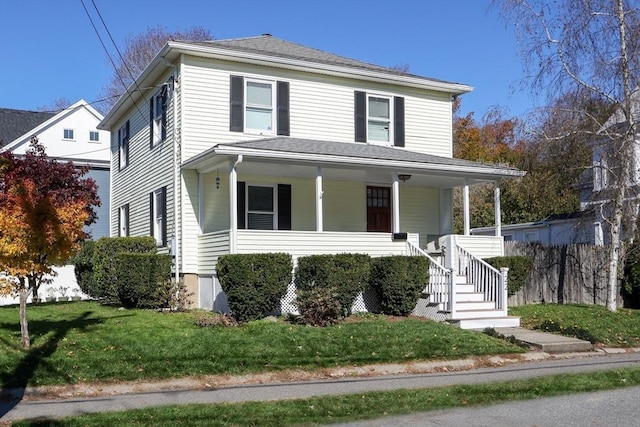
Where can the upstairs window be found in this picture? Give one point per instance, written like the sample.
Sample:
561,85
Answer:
259,106
94,136
158,117
379,119
68,134
123,146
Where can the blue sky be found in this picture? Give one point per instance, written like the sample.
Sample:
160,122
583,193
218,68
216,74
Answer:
48,48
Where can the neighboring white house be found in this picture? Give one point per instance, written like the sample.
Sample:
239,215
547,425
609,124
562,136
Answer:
262,145
70,135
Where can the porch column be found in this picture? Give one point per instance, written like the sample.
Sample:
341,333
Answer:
319,219
233,206
465,208
396,203
496,205
200,201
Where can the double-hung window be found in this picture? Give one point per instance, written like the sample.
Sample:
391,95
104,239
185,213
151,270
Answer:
261,207
158,117
123,221
158,211
123,146
259,106
378,119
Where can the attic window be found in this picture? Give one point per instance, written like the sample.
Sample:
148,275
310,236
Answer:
68,134
94,136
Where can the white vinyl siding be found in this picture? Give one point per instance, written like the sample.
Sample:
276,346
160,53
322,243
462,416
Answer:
420,211
345,206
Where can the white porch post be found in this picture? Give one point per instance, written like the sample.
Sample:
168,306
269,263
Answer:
319,218
496,205
201,202
396,203
233,206
465,208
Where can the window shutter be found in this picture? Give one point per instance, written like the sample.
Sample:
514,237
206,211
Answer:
360,109
163,134
284,207
151,218
398,121
119,150
126,220
151,121
163,209
283,108
242,208
126,143
236,119
120,223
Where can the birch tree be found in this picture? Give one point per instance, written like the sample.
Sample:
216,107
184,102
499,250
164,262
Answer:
591,46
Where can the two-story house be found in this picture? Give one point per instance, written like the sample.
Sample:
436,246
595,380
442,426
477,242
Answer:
262,145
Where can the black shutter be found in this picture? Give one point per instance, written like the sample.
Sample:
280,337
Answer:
242,208
151,218
126,143
119,151
151,122
163,134
236,119
163,209
360,109
126,220
398,121
284,207
283,108
120,223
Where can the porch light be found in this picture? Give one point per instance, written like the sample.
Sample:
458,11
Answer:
217,181
404,177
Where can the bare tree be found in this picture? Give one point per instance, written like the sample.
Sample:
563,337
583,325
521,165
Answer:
137,53
56,105
578,46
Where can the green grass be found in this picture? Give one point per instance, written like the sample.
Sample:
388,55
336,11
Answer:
334,409
592,323
86,342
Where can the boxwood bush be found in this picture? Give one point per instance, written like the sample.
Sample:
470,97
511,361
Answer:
399,280
344,275
141,279
105,263
519,268
254,283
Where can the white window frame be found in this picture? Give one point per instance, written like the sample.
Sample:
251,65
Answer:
122,152
272,83
158,219
158,112
64,134
274,213
123,220
96,134
370,118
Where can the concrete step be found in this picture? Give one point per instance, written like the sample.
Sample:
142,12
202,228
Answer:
487,322
549,343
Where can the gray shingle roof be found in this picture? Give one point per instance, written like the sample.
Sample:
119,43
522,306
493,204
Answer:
273,46
355,150
15,123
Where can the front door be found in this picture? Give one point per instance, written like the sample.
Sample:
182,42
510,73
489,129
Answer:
379,209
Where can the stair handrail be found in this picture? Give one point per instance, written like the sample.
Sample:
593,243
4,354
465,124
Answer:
485,277
440,286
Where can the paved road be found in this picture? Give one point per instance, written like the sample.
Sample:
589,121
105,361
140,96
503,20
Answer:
617,408
263,392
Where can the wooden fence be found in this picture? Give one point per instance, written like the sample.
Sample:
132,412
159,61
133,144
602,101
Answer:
566,274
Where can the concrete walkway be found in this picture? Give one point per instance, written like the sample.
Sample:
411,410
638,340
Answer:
549,343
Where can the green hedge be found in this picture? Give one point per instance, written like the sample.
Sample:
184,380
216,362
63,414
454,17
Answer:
399,280
631,282
83,266
346,275
254,283
141,279
519,268
105,263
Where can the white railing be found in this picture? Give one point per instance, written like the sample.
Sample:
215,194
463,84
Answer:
440,286
492,283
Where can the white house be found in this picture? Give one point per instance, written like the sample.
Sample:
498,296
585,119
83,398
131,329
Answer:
262,145
70,135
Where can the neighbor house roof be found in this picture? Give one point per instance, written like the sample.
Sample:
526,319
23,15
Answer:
15,123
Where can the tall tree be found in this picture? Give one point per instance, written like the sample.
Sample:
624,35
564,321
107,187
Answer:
137,53
44,206
578,46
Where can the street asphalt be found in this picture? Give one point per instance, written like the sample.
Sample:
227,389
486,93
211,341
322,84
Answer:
539,364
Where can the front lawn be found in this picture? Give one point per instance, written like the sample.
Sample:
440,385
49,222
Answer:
87,342
589,322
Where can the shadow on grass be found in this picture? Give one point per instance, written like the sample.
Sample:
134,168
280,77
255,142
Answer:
15,382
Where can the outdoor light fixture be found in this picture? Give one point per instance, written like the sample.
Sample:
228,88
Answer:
217,181
404,177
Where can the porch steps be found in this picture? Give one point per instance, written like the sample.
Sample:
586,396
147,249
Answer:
487,322
473,312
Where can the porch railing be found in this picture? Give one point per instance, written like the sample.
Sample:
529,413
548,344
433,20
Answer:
492,283
440,286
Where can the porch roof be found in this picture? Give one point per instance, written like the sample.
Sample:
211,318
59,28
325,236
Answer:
358,155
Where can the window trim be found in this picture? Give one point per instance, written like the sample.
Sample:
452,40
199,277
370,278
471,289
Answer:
281,117
390,120
158,215
123,146
158,117
396,118
97,134
64,134
273,109
274,199
123,220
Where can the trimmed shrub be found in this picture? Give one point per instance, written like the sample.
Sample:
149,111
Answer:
519,268
346,275
319,306
141,279
399,280
105,263
83,266
254,283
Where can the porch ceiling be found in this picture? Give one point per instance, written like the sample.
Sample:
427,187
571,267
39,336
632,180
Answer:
347,161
